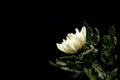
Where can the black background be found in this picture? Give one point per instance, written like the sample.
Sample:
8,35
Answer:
36,27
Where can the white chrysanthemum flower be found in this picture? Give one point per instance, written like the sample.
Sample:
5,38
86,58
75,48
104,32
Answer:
73,42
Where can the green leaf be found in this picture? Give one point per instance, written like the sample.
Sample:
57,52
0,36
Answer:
106,53
89,73
74,70
103,60
53,64
69,57
111,30
77,75
88,50
89,34
110,40
79,64
115,40
96,37
89,31
99,70
65,57
111,60
85,24
70,64
113,74
95,50
61,63
109,44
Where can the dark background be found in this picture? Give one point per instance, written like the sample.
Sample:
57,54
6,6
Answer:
36,27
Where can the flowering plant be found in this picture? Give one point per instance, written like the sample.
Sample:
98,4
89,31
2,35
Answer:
89,54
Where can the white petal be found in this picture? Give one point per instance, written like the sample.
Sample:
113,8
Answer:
71,45
83,30
60,47
76,30
82,39
71,36
66,48
77,44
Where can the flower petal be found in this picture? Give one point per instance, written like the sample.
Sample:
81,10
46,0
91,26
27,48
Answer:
73,42
60,47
